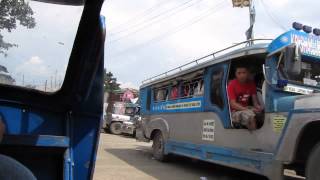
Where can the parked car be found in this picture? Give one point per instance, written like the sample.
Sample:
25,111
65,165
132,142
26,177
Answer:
122,113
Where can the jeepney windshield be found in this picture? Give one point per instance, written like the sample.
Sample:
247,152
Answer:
129,111
309,76
36,39
124,109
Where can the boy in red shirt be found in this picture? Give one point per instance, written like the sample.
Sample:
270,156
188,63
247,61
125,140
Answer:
240,91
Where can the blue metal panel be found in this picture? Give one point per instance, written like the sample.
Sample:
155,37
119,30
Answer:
284,104
24,121
36,140
67,165
85,132
210,106
143,100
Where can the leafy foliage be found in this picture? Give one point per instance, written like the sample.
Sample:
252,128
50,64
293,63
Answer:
11,13
110,82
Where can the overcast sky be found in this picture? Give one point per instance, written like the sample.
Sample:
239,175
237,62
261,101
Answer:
148,37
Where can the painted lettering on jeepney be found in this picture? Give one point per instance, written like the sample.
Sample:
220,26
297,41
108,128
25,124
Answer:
278,122
183,105
296,89
176,106
309,45
208,130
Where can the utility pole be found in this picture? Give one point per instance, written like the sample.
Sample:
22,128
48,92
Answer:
55,79
252,14
45,86
51,82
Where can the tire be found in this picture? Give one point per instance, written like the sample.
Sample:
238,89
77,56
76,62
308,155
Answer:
158,147
115,128
313,164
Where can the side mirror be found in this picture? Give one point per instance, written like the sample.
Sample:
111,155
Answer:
292,60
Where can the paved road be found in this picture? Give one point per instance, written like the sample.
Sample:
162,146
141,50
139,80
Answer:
122,158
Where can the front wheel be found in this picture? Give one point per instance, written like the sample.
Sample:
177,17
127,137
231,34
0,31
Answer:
158,147
115,128
313,166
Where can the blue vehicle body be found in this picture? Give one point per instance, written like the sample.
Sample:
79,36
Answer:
290,118
56,135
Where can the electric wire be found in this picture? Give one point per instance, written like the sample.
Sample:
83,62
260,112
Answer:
150,21
177,29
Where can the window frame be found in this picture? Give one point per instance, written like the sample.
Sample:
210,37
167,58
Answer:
221,95
155,90
192,81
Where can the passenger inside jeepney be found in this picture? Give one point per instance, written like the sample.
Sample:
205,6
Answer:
186,90
161,95
199,88
242,94
174,92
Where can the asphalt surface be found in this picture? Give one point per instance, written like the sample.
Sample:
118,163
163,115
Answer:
122,158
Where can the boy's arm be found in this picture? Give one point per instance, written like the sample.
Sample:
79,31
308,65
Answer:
236,106
255,100
256,103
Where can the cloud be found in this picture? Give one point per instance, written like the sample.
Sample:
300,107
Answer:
35,60
34,67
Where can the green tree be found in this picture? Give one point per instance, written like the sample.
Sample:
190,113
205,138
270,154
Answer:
110,82
110,86
11,13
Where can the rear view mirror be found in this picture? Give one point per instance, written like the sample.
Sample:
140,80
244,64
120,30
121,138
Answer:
292,60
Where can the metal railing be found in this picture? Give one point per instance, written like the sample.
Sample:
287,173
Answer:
211,56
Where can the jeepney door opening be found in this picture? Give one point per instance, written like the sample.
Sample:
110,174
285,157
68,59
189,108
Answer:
255,66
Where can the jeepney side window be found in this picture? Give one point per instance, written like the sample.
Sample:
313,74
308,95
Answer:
192,88
216,94
160,94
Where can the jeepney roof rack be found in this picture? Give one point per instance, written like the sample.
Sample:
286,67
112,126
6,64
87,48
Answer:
211,56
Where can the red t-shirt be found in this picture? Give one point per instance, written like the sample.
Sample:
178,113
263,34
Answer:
174,93
241,92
